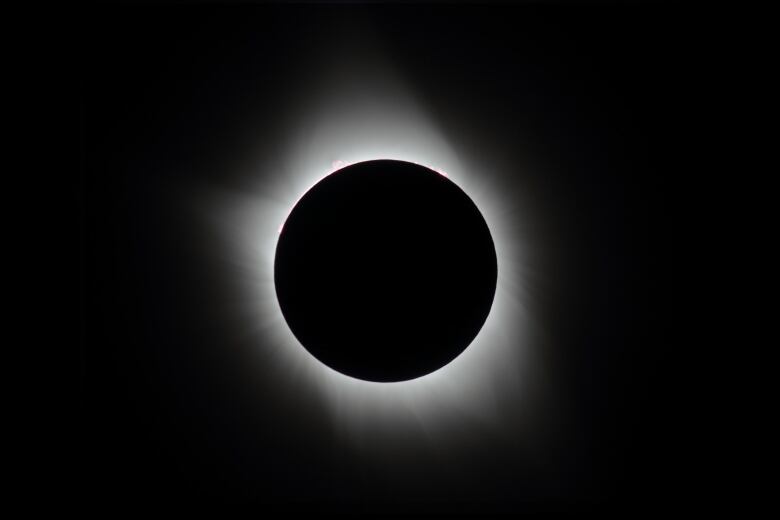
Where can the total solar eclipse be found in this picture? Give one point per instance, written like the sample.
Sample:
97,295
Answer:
385,271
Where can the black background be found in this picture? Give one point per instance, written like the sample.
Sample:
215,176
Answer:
596,90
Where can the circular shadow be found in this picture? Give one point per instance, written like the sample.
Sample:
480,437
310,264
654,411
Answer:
385,271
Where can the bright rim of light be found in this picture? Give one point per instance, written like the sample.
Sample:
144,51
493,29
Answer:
376,120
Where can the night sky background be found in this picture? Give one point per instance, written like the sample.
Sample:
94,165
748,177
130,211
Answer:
173,94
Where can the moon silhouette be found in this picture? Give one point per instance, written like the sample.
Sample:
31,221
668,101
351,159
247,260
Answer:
385,271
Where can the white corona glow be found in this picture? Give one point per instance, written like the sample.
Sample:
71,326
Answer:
357,118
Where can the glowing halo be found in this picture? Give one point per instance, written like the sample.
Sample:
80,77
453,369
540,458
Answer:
344,130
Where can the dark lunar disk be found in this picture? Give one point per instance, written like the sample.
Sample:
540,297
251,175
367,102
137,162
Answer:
385,271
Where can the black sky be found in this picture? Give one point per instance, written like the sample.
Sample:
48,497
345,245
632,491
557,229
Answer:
173,94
